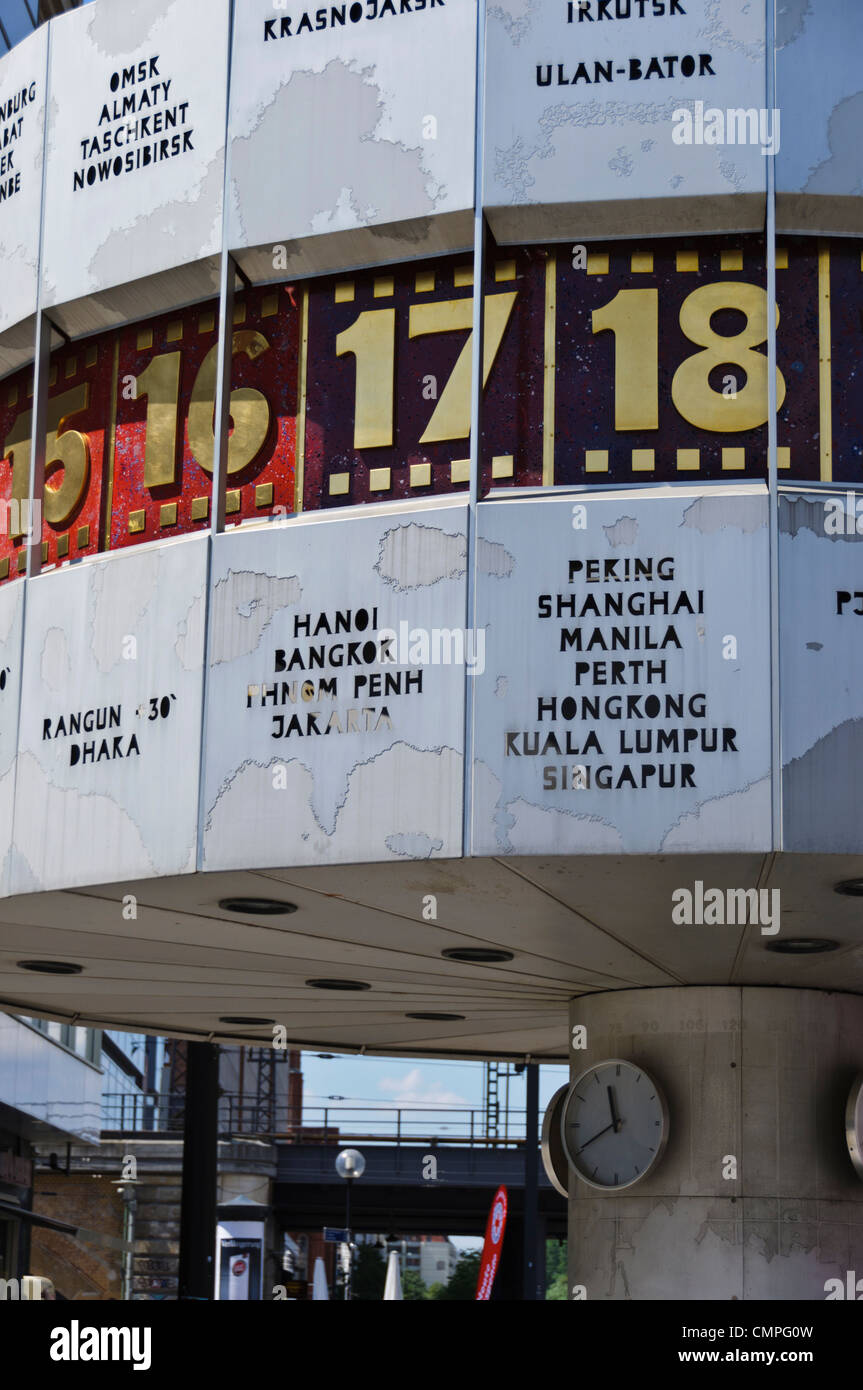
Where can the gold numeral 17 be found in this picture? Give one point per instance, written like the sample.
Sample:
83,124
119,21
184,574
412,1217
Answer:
371,338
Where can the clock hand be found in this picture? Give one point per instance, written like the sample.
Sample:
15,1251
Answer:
596,1136
615,1118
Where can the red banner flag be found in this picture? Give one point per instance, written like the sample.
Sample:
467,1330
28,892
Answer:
492,1246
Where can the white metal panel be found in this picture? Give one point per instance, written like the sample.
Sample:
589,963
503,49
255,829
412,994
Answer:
821,615
546,588
340,773
135,148
11,617
22,127
819,175
352,127
580,104
105,790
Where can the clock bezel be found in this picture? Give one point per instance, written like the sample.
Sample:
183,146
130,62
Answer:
660,1148
853,1135
555,1161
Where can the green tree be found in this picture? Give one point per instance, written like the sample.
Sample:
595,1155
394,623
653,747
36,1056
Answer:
413,1287
555,1270
370,1272
463,1280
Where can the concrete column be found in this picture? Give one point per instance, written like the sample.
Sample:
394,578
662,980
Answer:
757,1075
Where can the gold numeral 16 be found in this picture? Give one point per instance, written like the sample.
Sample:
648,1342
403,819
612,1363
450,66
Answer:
160,383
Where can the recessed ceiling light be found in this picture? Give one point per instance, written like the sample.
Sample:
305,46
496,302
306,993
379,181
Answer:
478,955
850,888
257,907
50,967
438,1018
338,984
247,1022
803,946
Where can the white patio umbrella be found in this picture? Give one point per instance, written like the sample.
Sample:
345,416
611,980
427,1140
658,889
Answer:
319,1282
393,1285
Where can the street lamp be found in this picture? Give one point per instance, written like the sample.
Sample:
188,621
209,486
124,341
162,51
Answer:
350,1164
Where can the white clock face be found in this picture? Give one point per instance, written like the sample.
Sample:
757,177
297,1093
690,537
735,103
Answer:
614,1124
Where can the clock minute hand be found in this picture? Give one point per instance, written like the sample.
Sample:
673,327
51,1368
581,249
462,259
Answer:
615,1118
596,1136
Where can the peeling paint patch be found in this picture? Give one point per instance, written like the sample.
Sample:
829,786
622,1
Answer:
822,802
196,217
514,17
87,819
804,513
115,609
414,556
118,30
791,16
623,532
351,187
234,840
494,559
842,172
251,601
708,822
189,645
550,826
417,846
10,612
712,514
55,659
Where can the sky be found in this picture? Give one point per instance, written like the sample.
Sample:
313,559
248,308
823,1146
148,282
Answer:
389,1081
16,20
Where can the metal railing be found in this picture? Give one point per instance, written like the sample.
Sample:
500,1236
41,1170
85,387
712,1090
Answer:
332,1123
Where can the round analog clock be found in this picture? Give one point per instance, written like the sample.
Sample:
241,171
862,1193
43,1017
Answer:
854,1124
614,1124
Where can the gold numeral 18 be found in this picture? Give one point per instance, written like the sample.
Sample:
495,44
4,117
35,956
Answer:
633,317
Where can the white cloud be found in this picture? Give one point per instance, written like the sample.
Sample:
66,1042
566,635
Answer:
414,1089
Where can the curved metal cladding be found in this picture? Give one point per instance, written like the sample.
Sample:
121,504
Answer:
303,689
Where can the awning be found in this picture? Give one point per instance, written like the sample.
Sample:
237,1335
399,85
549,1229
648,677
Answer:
36,1219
